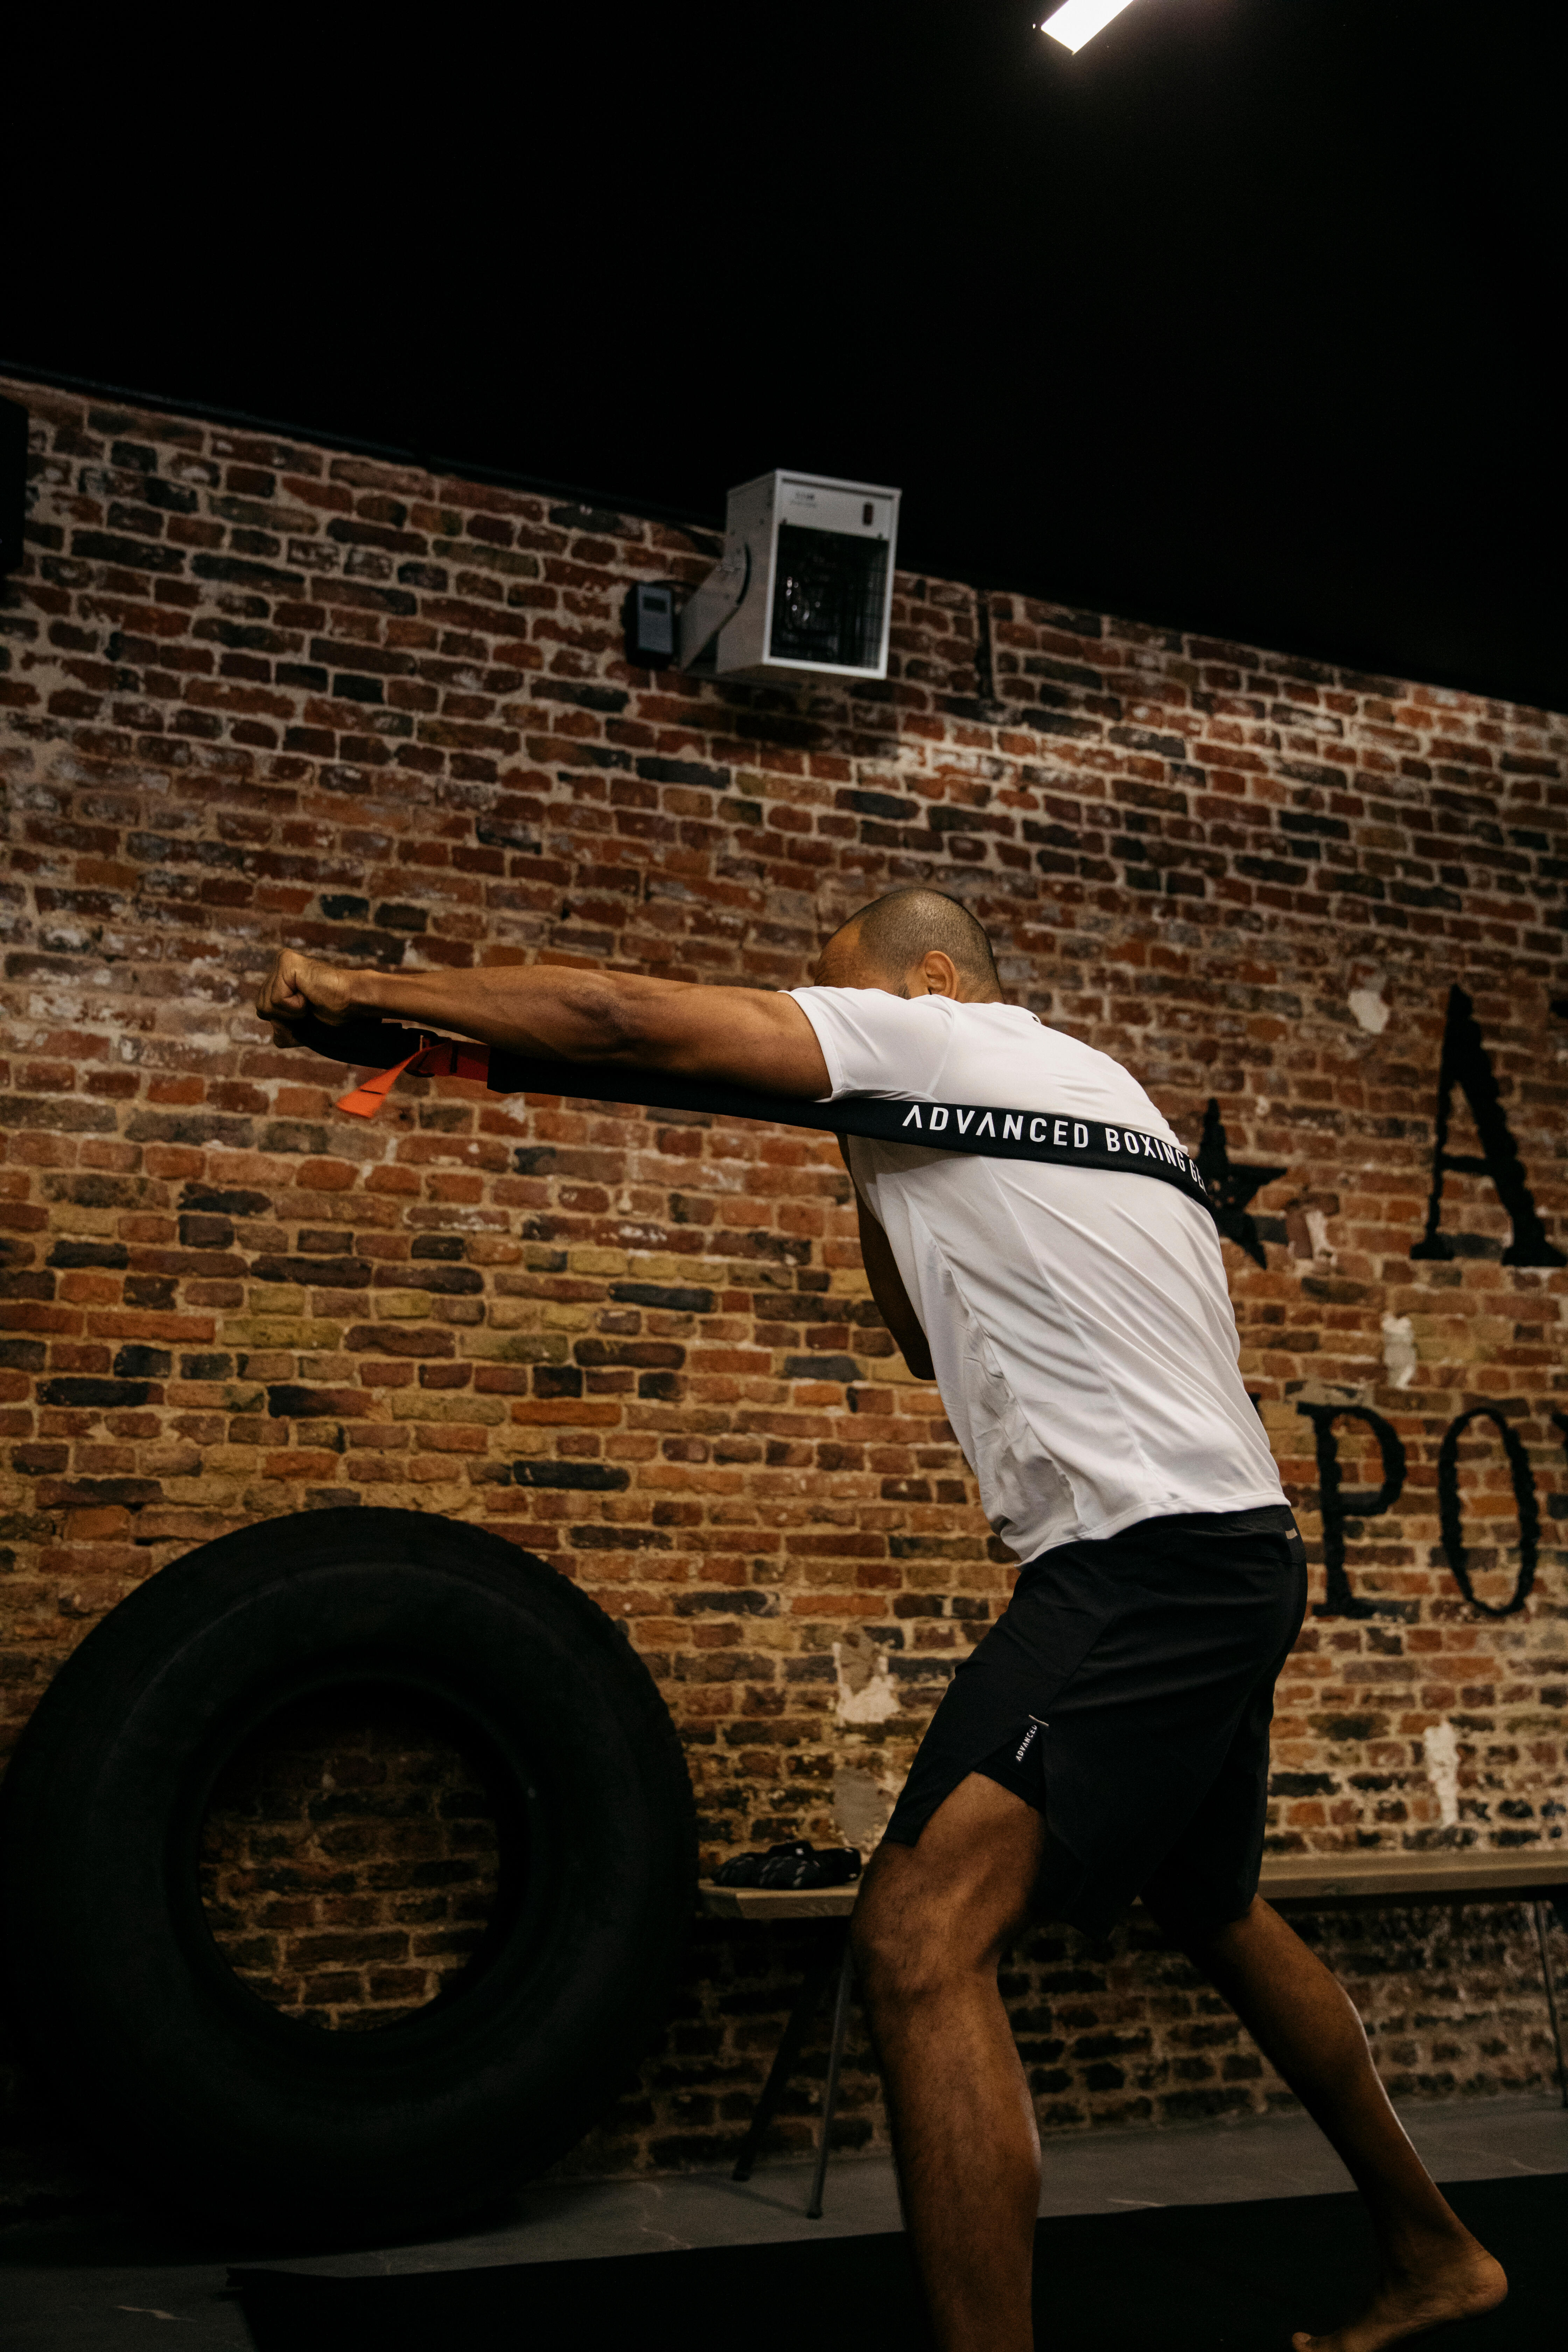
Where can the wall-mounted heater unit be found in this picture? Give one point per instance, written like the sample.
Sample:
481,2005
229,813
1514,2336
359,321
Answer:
804,587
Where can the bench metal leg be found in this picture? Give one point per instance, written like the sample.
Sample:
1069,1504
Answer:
819,1977
1540,1937
830,2096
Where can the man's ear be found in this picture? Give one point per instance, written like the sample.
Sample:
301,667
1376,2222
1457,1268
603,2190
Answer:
940,973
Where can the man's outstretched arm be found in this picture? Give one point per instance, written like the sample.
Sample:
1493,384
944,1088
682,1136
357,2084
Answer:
754,1037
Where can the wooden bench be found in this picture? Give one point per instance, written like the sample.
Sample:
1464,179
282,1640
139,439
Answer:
1535,1877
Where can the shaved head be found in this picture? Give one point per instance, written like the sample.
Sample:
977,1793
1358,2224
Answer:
886,941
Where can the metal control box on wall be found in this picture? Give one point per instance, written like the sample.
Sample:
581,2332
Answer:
804,587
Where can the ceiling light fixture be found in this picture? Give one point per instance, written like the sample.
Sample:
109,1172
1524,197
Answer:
1078,21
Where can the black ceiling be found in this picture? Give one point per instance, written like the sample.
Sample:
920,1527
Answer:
1244,319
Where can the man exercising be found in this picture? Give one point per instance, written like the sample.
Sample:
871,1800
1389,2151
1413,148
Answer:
1109,1736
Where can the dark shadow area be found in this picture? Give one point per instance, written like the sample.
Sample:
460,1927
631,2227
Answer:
1214,2278
128,2236
1239,320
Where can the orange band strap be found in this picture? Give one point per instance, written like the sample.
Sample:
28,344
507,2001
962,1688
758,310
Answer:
442,1060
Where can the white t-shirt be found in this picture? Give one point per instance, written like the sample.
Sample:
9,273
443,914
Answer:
1079,1321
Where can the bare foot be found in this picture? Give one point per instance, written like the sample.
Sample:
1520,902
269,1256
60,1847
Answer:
1458,2282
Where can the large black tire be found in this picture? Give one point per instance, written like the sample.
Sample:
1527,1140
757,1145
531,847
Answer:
211,2098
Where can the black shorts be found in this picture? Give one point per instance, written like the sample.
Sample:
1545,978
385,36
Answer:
1126,1694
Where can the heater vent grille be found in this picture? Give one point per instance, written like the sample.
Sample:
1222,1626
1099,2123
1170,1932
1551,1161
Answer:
828,596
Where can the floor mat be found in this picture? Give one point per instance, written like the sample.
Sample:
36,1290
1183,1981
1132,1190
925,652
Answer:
1187,2278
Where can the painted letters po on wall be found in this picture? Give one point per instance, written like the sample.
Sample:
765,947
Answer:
254,691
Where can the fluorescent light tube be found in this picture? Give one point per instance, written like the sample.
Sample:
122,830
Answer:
1078,21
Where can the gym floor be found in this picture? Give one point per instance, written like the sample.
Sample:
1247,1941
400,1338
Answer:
78,2286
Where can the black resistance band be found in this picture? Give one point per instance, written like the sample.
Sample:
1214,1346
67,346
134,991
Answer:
989,1131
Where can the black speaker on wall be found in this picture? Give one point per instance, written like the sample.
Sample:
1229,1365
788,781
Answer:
13,482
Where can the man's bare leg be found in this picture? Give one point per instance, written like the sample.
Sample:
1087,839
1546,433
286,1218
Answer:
1299,2014
931,1925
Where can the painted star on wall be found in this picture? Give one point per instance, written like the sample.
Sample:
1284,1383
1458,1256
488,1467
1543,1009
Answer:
1230,1187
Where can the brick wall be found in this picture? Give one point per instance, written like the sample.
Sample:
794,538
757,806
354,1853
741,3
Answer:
253,691
349,1860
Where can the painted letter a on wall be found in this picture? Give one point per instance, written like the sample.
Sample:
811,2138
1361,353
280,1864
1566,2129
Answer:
1466,1064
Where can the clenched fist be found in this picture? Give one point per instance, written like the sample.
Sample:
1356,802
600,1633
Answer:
298,985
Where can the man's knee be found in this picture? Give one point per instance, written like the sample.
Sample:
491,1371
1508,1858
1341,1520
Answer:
897,1932
879,1934
910,1934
